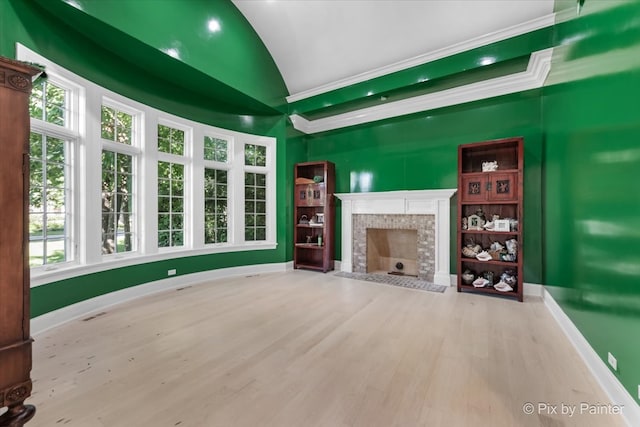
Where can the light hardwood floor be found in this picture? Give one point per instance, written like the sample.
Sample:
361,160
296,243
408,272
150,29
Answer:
311,349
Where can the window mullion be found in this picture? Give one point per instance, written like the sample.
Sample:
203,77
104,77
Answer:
195,190
236,188
148,178
38,125
120,148
90,157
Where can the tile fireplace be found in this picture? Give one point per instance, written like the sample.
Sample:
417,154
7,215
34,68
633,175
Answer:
423,213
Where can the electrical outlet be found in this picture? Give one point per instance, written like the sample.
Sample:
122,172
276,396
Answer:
171,272
613,362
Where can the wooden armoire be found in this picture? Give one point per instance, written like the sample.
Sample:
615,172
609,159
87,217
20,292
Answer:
15,340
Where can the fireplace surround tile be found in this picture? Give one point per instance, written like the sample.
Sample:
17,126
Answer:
399,206
424,224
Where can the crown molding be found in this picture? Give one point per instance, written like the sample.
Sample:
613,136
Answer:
533,77
506,33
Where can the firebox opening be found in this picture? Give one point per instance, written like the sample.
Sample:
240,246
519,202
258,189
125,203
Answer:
392,251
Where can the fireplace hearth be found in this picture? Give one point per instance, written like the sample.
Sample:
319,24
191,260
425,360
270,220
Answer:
381,241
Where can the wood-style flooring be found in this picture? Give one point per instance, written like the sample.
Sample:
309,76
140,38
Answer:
310,349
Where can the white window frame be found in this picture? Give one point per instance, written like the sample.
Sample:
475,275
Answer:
70,134
269,170
186,159
231,179
87,179
135,152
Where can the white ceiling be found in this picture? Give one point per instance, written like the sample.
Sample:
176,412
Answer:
318,42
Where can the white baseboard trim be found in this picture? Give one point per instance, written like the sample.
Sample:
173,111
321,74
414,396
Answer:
43,323
533,289
607,380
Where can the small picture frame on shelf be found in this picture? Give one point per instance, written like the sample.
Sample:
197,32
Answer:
501,225
474,222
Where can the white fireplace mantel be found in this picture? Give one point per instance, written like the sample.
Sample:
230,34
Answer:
410,202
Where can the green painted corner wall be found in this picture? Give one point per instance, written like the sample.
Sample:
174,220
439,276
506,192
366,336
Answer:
230,51
296,153
420,152
591,163
140,72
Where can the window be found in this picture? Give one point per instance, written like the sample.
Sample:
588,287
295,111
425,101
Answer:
255,192
255,210
170,204
216,189
118,181
49,103
102,165
49,191
48,222
170,140
117,194
116,125
215,149
171,186
255,155
215,206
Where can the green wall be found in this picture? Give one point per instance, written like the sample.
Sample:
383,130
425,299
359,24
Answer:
582,157
94,50
234,54
142,72
420,152
591,162
581,136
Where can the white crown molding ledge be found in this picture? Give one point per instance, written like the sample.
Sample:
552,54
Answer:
506,33
533,77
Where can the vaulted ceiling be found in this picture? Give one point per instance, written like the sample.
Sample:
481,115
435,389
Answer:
317,44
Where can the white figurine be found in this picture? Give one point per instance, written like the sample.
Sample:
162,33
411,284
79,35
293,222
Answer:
490,166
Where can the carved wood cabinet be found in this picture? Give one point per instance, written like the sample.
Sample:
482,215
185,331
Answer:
15,340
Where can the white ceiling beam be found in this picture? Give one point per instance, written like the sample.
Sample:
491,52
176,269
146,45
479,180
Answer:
533,77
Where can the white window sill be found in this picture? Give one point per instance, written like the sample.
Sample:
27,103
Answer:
44,275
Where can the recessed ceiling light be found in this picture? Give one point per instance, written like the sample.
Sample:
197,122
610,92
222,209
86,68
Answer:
213,25
487,60
75,4
173,52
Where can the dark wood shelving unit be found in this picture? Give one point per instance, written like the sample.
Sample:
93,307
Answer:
314,216
505,233
497,192
15,340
